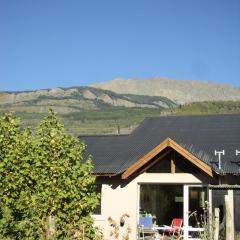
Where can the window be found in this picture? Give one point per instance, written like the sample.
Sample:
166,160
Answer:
183,165
161,166
98,189
179,164
162,202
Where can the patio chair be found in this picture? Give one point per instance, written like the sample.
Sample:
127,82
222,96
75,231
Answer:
175,230
146,230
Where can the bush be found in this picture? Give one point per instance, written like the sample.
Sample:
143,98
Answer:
46,189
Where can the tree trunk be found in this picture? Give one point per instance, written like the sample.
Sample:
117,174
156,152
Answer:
229,222
51,227
216,223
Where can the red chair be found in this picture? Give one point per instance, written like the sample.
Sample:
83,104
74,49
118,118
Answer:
175,230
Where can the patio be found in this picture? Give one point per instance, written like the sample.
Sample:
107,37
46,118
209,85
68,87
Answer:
162,204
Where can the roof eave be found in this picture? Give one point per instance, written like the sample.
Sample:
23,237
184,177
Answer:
168,142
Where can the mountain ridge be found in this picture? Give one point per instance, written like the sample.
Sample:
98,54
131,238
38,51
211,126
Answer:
77,99
180,91
88,110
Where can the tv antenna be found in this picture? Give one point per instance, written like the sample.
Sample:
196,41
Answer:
220,154
237,152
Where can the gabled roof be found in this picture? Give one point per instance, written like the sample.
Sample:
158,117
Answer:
198,135
168,142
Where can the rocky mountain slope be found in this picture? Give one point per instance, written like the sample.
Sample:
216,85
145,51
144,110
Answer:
178,91
88,110
69,100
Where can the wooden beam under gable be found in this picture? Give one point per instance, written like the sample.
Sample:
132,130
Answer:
173,162
168,142
196,161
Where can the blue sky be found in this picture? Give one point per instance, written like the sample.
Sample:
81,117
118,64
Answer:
61,43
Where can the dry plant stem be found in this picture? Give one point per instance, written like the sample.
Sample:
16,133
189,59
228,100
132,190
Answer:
120,231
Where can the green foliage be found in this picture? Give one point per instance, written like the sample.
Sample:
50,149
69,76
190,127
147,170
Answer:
107,118
96,121
42,174
214,107
145,99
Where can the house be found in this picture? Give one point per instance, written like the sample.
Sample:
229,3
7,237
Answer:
168,167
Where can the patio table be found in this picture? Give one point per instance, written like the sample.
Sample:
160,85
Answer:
162,227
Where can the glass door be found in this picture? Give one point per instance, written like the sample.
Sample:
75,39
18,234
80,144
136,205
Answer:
162,202
195,209
197,206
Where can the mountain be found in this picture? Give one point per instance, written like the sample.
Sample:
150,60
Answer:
179,91
89,110
68,100
85,110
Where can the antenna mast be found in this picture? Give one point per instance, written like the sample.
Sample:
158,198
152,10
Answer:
219,154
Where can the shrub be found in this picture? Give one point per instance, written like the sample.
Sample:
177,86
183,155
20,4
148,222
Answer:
46,189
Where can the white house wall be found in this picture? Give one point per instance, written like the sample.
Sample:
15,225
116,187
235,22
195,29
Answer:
119,199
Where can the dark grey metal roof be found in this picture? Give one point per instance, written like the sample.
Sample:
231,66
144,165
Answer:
200,135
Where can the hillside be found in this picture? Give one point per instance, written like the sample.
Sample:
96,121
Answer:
206,108
184,91
108,120
69,100
85,109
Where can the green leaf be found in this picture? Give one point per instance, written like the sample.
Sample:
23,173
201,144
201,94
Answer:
42,174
